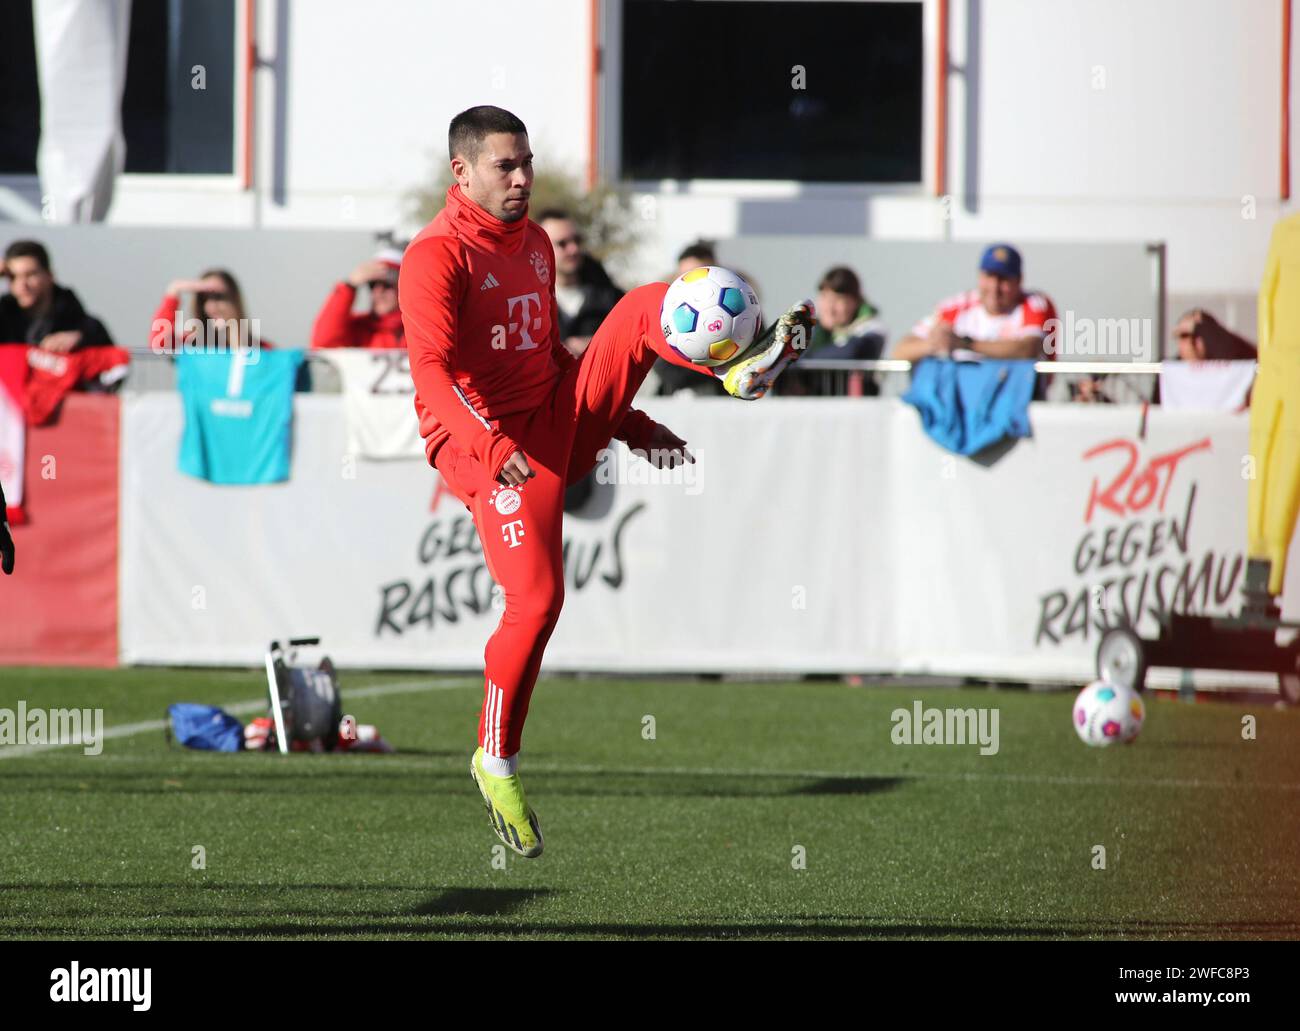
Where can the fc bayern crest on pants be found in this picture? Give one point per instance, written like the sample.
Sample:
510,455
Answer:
506,500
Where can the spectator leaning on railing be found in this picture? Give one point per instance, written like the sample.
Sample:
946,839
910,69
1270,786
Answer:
222,323
1215,369
1201,337
848,328
381,326
39,311
998,319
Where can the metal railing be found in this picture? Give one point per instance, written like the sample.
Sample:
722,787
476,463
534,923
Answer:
885,376
814,377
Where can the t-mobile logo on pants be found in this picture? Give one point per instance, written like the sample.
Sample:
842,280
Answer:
513,532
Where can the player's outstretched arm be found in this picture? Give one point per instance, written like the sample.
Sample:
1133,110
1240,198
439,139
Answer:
654,442
666,450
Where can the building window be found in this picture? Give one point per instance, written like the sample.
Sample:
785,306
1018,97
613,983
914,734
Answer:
170,125
20,110
711,89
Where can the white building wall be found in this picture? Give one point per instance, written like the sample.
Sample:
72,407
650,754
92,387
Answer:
1093,120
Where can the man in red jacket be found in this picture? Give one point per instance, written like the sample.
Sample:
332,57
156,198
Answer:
509,417
381,326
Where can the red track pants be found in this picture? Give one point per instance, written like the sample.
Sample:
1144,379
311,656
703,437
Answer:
521,527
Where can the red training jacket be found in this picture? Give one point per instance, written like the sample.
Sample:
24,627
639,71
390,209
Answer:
483,330
336,326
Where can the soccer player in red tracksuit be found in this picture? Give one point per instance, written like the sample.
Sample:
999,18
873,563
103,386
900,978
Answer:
510,418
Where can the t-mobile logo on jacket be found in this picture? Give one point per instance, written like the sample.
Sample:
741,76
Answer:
529,303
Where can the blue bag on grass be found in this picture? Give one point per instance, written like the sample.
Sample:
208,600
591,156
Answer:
205,726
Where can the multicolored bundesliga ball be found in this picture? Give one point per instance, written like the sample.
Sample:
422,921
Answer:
710,315
1106,713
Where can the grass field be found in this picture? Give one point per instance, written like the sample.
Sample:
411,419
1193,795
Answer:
694,834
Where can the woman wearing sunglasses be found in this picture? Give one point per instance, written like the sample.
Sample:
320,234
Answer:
215,321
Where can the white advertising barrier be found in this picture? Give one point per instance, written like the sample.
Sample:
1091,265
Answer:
819,535
1014,564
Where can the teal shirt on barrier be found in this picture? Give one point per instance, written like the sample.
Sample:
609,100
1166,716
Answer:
238,415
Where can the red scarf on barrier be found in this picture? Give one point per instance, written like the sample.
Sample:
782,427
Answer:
33,383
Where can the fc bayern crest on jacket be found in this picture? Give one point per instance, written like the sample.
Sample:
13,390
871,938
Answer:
540,267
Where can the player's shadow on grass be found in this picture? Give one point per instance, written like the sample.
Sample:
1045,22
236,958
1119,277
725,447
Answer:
356,775
479,901
302,778
691,785
849,786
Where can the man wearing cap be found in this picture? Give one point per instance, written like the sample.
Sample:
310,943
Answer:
381,326
997,319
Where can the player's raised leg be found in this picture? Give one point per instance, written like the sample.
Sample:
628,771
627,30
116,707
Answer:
625,347
710,315
597,392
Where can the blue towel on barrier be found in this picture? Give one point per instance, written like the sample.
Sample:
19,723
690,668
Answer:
967,406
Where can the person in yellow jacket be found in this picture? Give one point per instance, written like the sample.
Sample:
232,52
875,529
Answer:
1274,491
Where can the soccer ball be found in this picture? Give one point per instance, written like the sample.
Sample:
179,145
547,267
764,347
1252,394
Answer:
1105,713
710,315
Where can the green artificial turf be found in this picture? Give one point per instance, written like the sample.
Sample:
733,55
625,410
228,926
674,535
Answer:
694,833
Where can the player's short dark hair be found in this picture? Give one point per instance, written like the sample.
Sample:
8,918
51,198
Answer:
700,250
553,213
468,129
28,249
841,280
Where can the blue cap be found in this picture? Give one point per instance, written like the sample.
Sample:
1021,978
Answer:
1001,259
